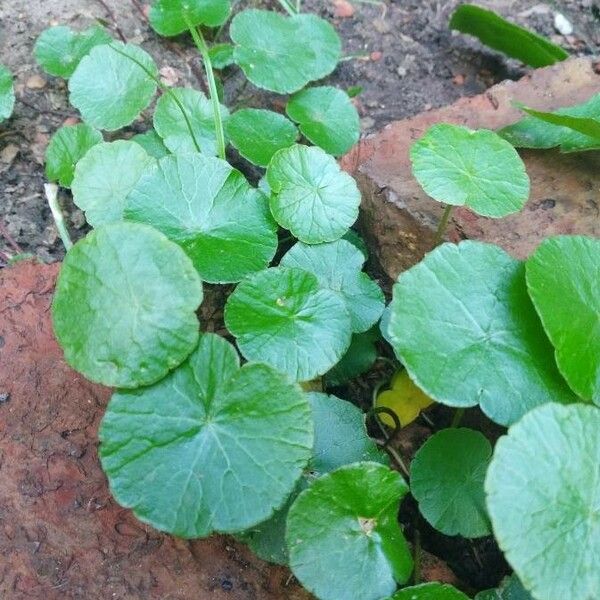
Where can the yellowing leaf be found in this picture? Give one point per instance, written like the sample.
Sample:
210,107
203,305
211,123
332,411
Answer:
405,399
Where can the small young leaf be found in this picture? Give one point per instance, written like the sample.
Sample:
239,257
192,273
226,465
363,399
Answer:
105,176
562,279
343,535
477,169
338,267
59,49
283,54
504,36
542,491
404,398
359,358
221,55
67,146
327,117
172,125
212,447
429,591
257,134
354,90
172,17
465,309
312,196
113,84
282,317
152,143
7,93
124,306
510,589
340,438
532,132
211,211
446,479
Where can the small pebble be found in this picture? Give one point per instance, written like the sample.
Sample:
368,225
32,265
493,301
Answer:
36,82
562,24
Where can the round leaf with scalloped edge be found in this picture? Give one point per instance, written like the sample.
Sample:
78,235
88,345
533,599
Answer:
172,17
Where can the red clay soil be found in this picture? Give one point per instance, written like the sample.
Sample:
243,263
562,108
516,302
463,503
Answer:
61,534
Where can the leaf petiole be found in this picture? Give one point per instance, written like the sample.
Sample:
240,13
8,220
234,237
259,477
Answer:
288,7
439,234
51,191
212,85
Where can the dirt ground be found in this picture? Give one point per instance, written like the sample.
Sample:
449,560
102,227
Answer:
401,53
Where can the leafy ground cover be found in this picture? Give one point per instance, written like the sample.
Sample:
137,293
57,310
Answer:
194,443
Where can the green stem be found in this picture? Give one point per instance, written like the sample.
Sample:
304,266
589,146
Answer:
51,190
212,85
167,90
439,234
457,418
287,7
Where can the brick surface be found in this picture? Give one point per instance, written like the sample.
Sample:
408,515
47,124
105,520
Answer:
399,219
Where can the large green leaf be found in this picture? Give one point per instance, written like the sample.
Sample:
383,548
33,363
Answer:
283,54
510,589
563,278
257,134
212,447
172,17
542,492
359,358
211,211
338,267
59,49
67,146
174,127
343,535
429,591
467,332
446,479
340,439
326,117
113,84
533,132
282,317
105,176
463,167
124,306
7,93
502,35
152,143
312,196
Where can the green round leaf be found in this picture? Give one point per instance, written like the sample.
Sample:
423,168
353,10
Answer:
221,55
59,49
113,84
343,535
446,479
326,117
340,439
338,267
312,196
105,176
124,306
359,358
477,169
212,447
7,93
429,591
280,316
67,146
152,143
257,134
172,126
172,17
562,278
542,492
211,211
283,54
355,239
510,589
464,327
